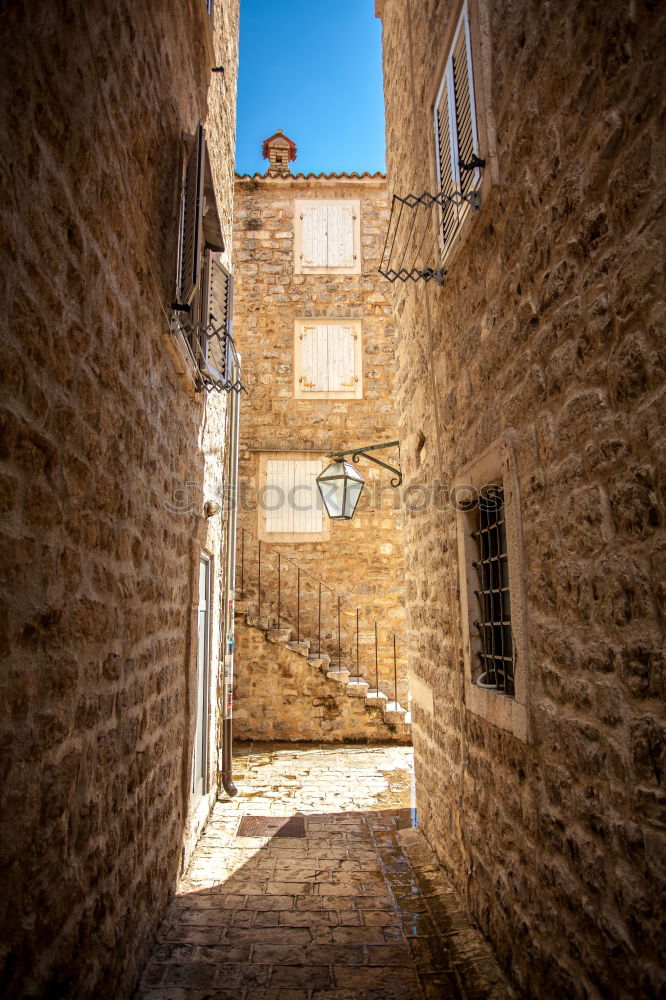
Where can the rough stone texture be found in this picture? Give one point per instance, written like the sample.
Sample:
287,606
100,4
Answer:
281,694
549,323
357,909
99,576
362,558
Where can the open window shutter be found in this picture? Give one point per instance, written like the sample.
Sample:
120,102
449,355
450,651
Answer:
220,307
341,358
340,236
445,167
463,87
192,219
315,221
216,314
291,486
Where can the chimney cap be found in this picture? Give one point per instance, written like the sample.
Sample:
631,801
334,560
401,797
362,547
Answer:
278,141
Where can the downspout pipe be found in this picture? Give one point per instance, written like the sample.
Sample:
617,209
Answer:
230,582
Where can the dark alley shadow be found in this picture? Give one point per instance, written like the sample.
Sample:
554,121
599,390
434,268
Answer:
353,908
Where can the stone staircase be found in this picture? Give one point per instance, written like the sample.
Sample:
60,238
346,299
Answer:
386,718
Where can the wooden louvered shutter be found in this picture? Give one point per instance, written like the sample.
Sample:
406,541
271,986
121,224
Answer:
192,219
445,161
220,299
211,346
466,140
315,221
340,236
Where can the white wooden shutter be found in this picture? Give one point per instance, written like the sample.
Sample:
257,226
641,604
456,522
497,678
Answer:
340,233
314,348
292,492
456,137
445,156
314,225
341,359
466,139
328,358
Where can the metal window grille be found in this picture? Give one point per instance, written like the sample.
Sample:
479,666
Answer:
493,595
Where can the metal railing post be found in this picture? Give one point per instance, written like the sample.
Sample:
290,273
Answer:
358,669
376,663
242,573
259,584
298,606
279,582
319,624
339,639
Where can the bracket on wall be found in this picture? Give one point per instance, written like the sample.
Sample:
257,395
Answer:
412,249
358,453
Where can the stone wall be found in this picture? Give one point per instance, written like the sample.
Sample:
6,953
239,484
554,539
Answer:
360,559
282,694
548,326
99,548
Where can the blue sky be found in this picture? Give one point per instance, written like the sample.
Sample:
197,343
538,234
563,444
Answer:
312,68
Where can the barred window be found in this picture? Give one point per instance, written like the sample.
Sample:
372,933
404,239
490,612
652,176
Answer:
493,594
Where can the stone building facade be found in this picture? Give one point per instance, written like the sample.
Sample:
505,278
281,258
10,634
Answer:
531,359
313,323
110,448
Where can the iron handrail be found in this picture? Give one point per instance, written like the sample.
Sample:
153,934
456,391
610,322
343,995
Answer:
345,606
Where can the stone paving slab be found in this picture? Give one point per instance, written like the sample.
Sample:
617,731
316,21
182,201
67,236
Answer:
357,909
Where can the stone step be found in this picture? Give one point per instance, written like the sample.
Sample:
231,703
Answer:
357,689
302,647
279,635
394,712
319,661
342,676
262,623
376,698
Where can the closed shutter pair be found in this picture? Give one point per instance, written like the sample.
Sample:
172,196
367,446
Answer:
291,498
456,134
328,358
328,236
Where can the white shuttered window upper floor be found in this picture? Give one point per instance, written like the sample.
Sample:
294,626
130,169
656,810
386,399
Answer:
327,236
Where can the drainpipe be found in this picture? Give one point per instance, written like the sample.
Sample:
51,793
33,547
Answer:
230,581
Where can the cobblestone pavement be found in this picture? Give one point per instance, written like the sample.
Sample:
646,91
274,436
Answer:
350,907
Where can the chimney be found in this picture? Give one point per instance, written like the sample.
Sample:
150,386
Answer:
278,150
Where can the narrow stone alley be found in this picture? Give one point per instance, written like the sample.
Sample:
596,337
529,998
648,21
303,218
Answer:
315,884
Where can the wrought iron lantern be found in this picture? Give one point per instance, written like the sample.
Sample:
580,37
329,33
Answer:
340,484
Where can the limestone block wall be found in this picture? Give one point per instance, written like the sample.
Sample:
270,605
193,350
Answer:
359,559
548,326
281,695
104,466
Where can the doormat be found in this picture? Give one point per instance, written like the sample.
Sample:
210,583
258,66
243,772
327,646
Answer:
271,826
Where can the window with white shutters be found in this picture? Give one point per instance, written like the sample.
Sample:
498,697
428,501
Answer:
290,501
327,237
328,359
456,136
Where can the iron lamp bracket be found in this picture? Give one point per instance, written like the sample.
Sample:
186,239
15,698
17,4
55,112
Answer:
357,453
